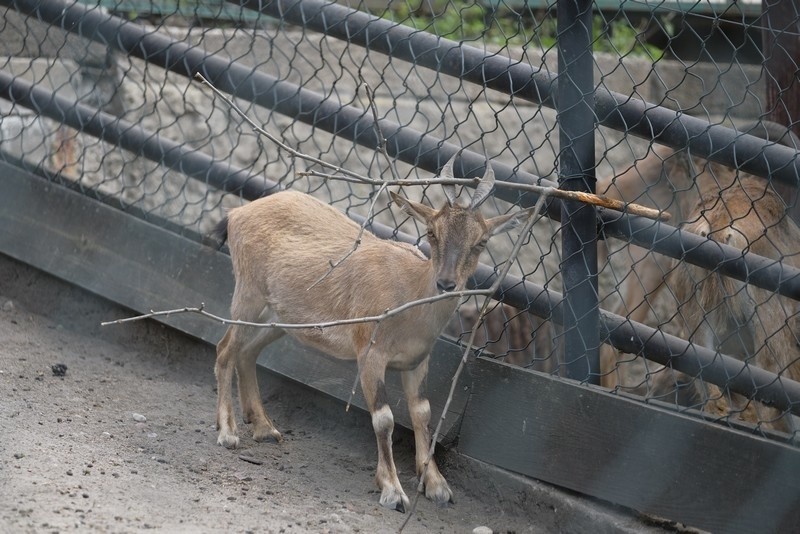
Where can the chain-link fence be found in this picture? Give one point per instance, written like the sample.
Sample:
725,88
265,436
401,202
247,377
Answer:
102,98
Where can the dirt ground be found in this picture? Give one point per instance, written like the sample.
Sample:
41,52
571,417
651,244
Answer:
125,441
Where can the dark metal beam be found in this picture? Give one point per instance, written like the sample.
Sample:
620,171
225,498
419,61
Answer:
521,80
576,166
125,134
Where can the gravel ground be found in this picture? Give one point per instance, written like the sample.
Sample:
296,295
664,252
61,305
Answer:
111,429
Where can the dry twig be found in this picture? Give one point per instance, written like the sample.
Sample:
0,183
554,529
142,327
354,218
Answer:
375,196
347,175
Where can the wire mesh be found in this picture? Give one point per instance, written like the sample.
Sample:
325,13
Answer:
716,61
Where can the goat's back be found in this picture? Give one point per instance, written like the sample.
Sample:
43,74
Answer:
283,248
287,242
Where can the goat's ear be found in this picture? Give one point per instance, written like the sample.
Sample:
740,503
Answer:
504,223
420,212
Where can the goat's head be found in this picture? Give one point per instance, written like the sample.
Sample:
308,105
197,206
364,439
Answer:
457,232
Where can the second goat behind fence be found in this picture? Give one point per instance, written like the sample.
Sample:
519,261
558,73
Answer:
282,248
730,207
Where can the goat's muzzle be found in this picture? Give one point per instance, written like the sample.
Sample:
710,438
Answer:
445,286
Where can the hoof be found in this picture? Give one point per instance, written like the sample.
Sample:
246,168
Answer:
267,434
396,500
440,494
228,441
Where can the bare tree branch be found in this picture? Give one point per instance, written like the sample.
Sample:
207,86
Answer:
299,326
262,131
587,198
401,182
578,196
375,197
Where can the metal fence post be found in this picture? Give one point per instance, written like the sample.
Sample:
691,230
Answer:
576,120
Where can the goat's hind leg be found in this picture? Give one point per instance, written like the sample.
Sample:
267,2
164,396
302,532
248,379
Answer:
238,350
253,411
226,422
436,487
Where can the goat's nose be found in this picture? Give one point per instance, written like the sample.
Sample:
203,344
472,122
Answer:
445,286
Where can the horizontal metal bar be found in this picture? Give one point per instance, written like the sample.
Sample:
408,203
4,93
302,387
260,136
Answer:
614,110
132,137
521,80
635,338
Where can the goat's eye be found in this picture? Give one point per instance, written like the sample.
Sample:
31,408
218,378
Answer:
431,235
481,245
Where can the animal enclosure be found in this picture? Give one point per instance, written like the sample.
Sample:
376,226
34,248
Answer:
668,345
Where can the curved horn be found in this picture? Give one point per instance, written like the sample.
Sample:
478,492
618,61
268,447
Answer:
447,174
484,187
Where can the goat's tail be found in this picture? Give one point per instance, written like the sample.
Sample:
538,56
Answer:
220,232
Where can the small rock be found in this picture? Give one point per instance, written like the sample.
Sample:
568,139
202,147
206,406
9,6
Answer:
59,369
139,418
8,306
481,530
249,458
18,455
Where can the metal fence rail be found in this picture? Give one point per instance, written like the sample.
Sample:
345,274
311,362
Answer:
111,108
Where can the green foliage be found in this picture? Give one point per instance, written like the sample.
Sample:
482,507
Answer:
619,37
475,21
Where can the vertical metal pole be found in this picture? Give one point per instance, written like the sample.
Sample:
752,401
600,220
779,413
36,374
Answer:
780,44
576,120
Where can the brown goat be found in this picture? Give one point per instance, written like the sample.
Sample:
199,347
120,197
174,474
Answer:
671,181
282,245
732,317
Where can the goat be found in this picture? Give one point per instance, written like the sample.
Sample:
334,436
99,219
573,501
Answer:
727,206
283,244
733,317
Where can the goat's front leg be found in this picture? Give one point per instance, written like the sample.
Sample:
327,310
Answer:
372,383
436,488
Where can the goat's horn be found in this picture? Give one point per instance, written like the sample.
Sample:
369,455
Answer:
447,174
484,187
